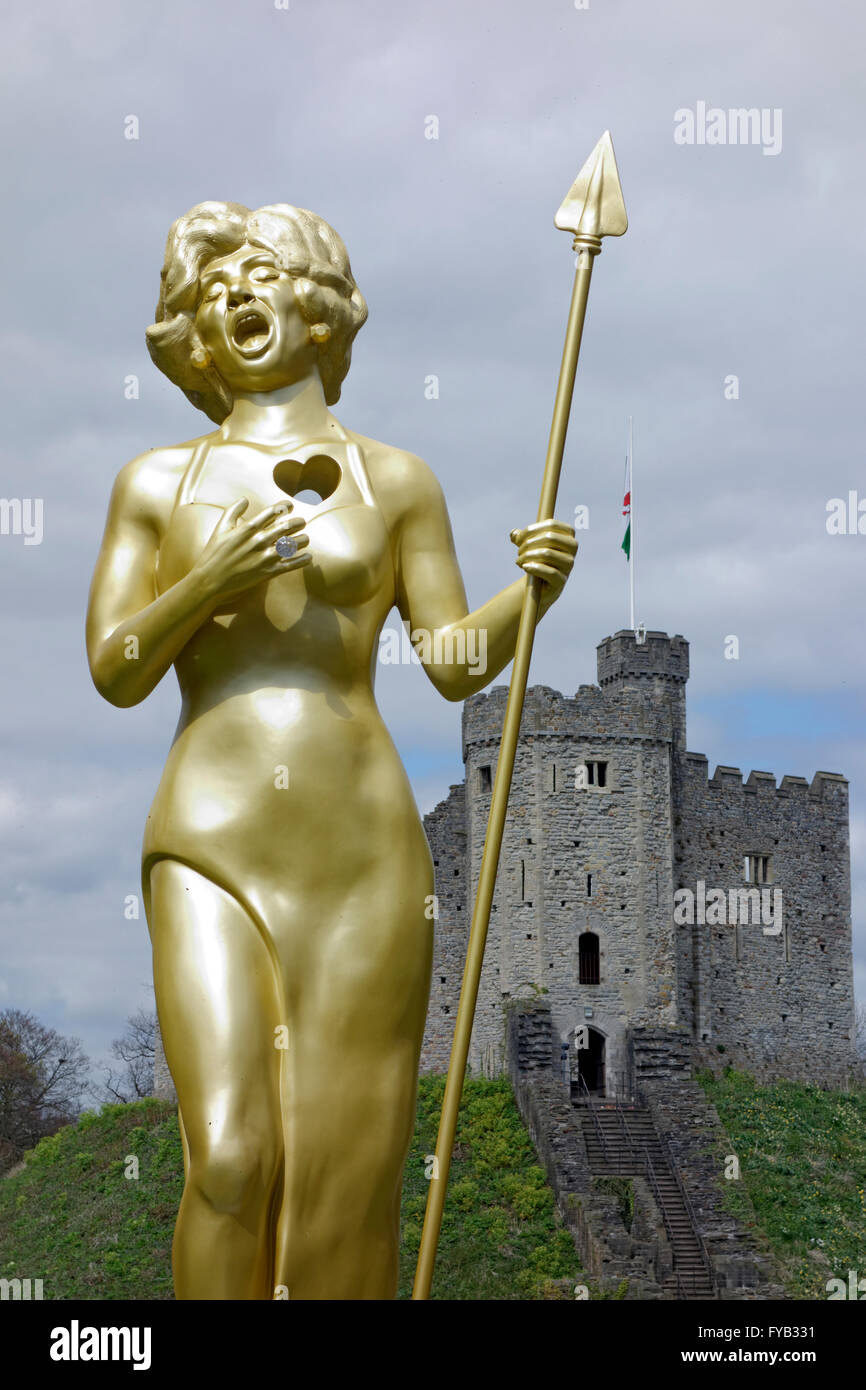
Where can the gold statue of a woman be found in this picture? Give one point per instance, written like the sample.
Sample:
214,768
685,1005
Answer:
286,874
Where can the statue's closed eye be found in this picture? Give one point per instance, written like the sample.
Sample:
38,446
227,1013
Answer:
312,481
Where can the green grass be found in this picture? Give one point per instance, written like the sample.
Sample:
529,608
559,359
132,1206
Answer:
802,1154
72,1217
501,1238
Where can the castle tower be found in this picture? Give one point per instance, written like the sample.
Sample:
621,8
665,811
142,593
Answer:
609,818
582,904
657,667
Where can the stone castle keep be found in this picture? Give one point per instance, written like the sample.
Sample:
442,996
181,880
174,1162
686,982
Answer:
609,816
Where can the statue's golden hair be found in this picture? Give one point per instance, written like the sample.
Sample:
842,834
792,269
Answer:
304,245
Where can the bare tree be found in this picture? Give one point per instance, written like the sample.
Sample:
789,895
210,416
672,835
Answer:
134,1080
43,1078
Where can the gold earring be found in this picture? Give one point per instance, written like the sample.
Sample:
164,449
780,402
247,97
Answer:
200,357
320,332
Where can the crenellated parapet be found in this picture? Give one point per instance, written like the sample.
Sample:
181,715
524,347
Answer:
658,657
828,787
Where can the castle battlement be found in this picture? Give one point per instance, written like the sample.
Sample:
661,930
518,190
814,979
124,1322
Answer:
825,786
658,657
619,711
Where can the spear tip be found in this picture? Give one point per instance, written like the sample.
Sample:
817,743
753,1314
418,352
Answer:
594,205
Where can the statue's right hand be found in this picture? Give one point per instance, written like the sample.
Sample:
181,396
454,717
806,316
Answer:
240,554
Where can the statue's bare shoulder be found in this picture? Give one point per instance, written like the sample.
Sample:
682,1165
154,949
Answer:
403,483
146,488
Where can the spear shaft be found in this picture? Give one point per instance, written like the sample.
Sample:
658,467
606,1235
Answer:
597,214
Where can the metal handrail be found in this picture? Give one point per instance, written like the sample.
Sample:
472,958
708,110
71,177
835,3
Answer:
687,1203
598,1129
656,1191
651,1174
622,1164
669,1158
641,1153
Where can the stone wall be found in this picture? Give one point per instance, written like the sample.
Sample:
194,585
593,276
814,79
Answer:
775,998
446,833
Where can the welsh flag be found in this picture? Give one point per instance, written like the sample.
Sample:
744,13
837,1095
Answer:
626,511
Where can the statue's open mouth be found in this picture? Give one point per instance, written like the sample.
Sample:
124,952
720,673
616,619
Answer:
251,332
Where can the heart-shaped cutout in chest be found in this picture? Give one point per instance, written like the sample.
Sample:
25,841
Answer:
311,482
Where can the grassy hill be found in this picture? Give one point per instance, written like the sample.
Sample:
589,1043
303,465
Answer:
77,1217
802,1155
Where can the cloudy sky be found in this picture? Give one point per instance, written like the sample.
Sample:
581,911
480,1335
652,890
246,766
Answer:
741,260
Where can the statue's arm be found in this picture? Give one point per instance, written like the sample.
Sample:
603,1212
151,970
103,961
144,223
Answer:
132,636
432,598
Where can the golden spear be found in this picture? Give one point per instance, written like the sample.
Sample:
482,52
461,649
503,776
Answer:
593,208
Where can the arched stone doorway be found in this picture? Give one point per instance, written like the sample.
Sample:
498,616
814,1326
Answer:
587,1063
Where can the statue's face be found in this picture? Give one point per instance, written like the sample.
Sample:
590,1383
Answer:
249,321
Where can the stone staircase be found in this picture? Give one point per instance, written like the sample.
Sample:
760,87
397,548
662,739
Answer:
667,1137
622,1140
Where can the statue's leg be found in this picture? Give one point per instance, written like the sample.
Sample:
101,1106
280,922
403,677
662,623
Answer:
353,1066
216,999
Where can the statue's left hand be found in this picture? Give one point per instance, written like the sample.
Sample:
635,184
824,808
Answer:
546,549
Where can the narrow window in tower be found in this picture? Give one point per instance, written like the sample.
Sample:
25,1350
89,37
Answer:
523,880
596,773
757,868
554,776
484,775
588,958
589,885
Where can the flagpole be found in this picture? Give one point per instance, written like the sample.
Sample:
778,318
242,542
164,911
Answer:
631,524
